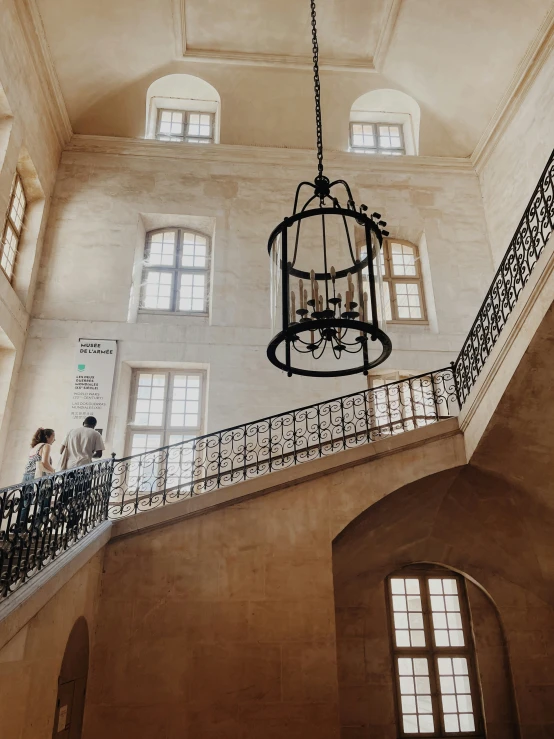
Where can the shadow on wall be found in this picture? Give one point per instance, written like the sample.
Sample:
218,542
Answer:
72,683
475,524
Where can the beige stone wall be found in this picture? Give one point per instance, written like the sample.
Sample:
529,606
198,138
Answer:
30,663
31,139
222,625
511,172
95,241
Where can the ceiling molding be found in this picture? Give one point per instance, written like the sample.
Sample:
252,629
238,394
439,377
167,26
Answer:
526,73
289,158
33,29
283,61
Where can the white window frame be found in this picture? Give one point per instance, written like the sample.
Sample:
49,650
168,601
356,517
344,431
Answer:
176,270
11,224
377,149
186,137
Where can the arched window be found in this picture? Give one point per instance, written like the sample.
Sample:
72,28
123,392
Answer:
175,275
13,227
433,654
182,107
384,122
403,297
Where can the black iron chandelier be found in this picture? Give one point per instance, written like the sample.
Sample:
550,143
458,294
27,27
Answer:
322,312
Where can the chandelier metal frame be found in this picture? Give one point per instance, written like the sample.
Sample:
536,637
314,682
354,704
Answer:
326,320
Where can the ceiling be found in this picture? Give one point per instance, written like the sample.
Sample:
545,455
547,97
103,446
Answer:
457,59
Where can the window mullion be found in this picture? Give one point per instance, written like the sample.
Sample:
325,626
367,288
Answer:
433,677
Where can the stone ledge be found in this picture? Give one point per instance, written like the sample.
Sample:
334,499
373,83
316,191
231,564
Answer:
289,477
26,602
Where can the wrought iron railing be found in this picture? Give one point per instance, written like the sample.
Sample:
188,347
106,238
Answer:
512,275
41,519
209,462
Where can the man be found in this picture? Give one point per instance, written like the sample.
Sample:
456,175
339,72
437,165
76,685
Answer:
81,445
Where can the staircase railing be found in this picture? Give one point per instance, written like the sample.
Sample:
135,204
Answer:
39,520
515,269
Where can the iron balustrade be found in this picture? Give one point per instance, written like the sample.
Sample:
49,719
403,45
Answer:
41,519
512,275
152,479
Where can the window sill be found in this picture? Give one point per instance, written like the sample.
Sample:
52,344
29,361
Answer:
178,314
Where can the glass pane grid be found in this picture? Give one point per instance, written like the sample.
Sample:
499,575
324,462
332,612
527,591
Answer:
162,249
376,138
195,251
158,290
407,612
447,617
456,699
192,292
403,260
408,300
185,402
149,403
415,695
8,250
19,203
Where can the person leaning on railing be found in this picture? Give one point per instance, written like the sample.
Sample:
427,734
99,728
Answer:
38,464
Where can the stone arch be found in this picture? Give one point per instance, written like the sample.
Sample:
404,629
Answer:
181,92
390,106
475,524
72,682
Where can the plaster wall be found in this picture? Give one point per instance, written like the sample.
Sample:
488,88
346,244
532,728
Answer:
519,155
31,139
31,661
95,243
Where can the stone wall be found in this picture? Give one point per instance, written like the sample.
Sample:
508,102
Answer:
91,270
30,663
518,156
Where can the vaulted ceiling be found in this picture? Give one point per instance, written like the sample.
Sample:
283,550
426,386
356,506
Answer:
457,59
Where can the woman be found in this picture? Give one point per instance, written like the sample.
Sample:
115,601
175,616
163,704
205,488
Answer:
40,462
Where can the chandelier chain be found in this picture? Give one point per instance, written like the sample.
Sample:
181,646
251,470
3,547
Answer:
317,92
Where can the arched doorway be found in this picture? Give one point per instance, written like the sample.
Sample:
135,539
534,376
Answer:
72,684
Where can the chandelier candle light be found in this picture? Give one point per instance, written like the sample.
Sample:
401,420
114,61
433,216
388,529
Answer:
326,284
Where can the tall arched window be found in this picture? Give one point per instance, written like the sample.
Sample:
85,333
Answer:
176,272
384,122
13,227
433,654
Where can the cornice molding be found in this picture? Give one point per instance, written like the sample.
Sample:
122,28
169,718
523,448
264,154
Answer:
271,156
33,29
284,61
526,73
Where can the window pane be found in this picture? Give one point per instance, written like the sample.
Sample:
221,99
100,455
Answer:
19,203
185,403
407,610
199,128
149,404
9,250
415,694
162,249
195,251
457,704
180,461
157,290
403,260
445,607
192,292
408,300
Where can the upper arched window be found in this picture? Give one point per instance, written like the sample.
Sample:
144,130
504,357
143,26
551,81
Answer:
385,122
181,107
433,653
13,227
176,272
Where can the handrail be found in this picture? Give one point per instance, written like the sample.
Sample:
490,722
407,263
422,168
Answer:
42,518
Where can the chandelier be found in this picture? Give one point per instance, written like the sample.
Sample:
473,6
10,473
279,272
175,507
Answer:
326,283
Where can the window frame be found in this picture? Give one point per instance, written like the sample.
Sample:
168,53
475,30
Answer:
9,222
164,430
391,279
185,139
176,271
372,150
431,652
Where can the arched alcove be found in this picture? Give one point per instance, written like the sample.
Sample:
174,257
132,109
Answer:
471,524
72,683
391,107
181,92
